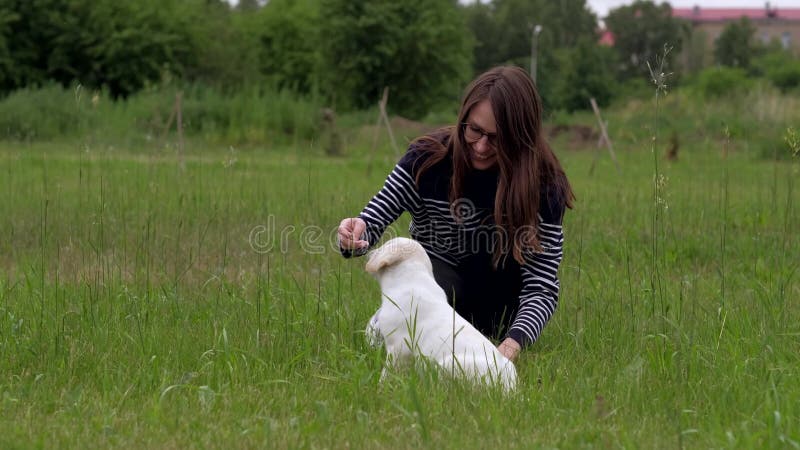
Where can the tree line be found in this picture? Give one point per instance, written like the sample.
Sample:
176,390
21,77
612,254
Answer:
342,51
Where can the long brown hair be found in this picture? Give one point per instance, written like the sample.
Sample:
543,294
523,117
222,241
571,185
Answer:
526,164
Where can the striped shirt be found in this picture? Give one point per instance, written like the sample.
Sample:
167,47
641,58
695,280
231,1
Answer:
435,226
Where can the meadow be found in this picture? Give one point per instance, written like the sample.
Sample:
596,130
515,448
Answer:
145,305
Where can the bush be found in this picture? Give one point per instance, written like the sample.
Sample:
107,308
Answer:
719,81
638,88
250,116
786,77
43,113
772,145
780,68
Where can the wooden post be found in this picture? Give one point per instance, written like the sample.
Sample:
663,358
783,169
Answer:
603,137
377,132
601,140
382,117
168,125
330,136
385,116
179,125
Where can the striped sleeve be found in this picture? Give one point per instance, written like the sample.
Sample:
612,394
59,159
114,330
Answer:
538,297
398,194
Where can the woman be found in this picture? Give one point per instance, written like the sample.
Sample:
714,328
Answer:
487,198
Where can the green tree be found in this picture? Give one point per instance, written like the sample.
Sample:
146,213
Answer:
564,23
503,35
735,46
224,47
26,33
126,46
641,31
248,5
420,49
587,72
7,65
288,43
119,45
503,28
480,19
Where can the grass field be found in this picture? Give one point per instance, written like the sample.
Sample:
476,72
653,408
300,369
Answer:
146,306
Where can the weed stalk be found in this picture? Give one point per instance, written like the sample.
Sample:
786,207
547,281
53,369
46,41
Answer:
659,78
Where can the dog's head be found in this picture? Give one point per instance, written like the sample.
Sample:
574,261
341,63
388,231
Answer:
397,251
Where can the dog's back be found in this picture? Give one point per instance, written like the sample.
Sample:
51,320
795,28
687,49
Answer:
436,332
416,320
467,353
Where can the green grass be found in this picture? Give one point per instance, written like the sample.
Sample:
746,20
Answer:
134,311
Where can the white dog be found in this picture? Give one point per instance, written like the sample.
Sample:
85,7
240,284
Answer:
414,319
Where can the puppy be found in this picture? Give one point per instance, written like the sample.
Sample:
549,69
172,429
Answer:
415,320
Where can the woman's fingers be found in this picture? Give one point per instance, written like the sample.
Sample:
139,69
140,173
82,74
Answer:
350,232
358,230
510,348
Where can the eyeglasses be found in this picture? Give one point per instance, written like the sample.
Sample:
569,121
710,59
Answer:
473,134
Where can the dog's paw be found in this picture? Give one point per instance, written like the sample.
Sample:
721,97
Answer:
373,334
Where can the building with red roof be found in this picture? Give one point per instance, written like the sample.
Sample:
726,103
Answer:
773,25
779,25
706,15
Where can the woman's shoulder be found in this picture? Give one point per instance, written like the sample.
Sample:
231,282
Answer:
423,148
552,203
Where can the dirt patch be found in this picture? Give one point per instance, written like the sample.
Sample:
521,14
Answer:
576,136
408,125
405,130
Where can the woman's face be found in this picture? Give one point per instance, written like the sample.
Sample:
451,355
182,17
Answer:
480,132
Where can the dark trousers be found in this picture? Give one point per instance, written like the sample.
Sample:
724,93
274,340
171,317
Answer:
487,297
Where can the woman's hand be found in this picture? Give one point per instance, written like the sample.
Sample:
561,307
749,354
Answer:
510,348
350,232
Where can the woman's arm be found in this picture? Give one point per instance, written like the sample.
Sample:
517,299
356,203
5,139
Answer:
398,194
540,286
538,297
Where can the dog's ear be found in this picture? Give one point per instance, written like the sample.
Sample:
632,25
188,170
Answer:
381,258
393,252
390,253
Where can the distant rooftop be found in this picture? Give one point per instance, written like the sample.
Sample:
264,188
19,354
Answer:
698,14
606,38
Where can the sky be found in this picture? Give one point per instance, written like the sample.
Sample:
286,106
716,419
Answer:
601,7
